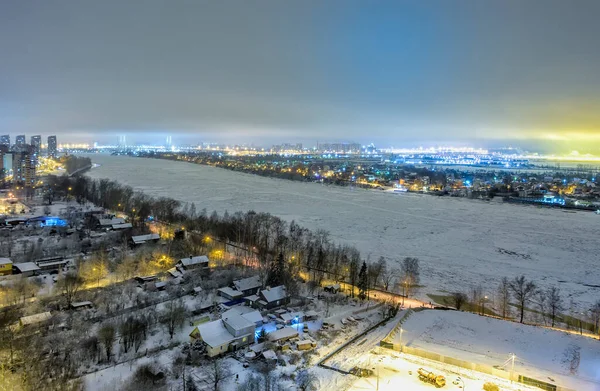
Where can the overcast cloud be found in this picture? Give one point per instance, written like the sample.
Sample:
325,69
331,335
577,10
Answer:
395,72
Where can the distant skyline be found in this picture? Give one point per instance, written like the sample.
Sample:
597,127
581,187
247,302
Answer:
464,72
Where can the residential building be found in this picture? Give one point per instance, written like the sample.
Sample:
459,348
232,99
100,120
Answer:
24,166
20,140
269,298
143,239
197,262
6,266
245,312
52,149
223,335
248,286
3,167
36,145
229,293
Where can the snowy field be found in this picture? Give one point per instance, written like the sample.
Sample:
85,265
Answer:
539,352
460,242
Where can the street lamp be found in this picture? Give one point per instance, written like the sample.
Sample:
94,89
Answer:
462,382
401,331
512,368
483,305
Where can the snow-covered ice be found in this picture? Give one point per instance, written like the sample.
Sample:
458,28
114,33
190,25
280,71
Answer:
460,242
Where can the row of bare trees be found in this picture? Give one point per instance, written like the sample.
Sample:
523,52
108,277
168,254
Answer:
525,295
263,235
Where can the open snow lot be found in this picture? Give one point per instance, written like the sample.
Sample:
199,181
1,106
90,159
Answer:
460,242
539,352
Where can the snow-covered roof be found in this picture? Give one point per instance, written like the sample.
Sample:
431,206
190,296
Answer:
311,314
274,294
81,304
194,260
26,267
284,333
252,298
160,284
230,292
248,313
174,272
198,289
122,226
113,221
237,322
247,283
144,238
214,333
269,355
37,318
291,315
5,261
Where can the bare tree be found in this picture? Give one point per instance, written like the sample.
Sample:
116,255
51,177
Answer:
504,297
173,316
106,335
306,381
388,276
410,273
523,290
554,302
69,285
458,299
595,312
218,371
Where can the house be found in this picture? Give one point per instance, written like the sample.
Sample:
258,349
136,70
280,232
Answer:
229,293
223,335
26,268
52,264
245,312
332,288
108,223
292,317
6,266
197,262
143,239
269,298
145,279
35,319
174,272
119,227
248,286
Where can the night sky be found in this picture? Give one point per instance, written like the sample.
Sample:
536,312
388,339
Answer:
402,73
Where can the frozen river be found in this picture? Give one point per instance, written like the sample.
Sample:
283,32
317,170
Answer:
460,242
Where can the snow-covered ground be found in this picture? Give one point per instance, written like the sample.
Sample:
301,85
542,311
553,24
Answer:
460,242
539,352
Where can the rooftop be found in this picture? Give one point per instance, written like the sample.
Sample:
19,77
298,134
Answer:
5,261
214,333
26,267
274,294
247,283
194,260
37,318
237,322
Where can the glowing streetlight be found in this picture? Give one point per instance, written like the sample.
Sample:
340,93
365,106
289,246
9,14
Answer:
512,368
